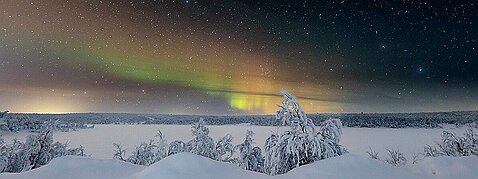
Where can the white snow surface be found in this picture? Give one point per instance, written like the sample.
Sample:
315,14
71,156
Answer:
191,166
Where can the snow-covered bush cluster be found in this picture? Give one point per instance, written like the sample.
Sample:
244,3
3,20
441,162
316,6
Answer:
249,156
146,153
38,150
450,145
455,146
301,144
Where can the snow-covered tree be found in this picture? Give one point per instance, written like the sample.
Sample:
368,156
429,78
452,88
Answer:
201,144
303,143
332,130
224,149
470,143
250,157
17,157
161,146
39,146
272,156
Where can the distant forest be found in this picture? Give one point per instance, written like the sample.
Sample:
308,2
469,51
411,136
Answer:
368,120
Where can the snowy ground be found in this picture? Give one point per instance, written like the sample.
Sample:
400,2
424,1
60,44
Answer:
99,141
188,166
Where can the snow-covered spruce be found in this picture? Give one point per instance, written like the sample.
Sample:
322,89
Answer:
201,144
225,149
304,142
250,157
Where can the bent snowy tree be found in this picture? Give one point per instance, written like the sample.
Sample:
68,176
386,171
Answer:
304,142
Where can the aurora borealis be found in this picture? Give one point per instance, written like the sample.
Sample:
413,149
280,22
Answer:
233,57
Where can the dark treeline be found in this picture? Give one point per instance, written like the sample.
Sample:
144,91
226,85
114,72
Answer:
369,120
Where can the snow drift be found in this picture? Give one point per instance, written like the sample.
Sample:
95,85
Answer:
75,167
189,166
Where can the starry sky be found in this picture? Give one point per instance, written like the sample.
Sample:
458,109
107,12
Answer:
234,57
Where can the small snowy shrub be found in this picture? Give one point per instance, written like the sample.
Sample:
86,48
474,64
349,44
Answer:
119,152
373,154
395,158
417,157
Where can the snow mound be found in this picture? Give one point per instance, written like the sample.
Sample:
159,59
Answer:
191,166
75,167
446,167
349,166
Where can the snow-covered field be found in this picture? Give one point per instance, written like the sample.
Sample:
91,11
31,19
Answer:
99,141
191,166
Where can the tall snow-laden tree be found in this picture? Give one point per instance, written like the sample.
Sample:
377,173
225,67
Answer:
250,157
201,144
303,143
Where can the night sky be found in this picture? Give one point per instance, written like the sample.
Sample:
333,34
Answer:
234,57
